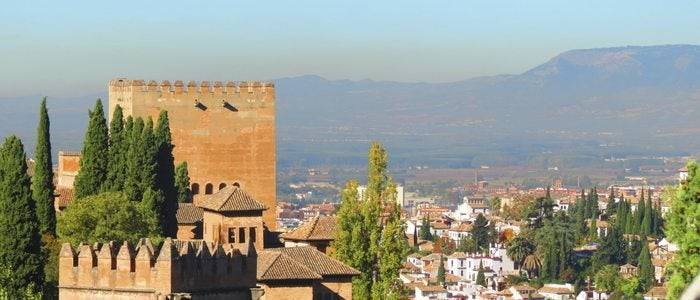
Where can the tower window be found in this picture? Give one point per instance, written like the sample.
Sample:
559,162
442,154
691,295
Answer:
195,188
208,189
236,184
232,235
241,235
252,234
222,185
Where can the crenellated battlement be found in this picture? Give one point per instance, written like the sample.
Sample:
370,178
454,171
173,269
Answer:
192,87
174,267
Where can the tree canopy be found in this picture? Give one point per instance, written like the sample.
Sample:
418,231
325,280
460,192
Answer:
107,216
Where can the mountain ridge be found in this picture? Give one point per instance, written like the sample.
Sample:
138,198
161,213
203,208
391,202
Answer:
639,99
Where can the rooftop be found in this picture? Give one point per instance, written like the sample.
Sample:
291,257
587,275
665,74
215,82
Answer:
317,261
321,228
273,265
231,199
188,213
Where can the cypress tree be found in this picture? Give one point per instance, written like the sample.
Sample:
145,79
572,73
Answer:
586,204
93,160
593,198
441,273
480,278
425,230
20,243
646,226
646,269
611,207
621,214
593,230
165,174
480,233
149,169
182,183
639,214
135,160
42,181
118,148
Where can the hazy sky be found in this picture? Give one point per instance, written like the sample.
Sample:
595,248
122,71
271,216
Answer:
67,48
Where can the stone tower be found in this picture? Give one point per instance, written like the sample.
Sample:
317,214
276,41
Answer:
225,132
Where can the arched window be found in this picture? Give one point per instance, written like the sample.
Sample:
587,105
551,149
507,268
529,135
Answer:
222,185
208,189
236,184
195,188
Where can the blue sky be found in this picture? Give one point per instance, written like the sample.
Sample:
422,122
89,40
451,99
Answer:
62,47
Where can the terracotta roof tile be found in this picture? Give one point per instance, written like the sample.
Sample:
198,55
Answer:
188,213
231,198
273,265
431,288
317,261
321,228
64,196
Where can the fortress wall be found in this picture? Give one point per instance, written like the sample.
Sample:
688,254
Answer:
143,272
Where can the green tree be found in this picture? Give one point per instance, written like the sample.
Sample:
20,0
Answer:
441,273
519,248
631,288
425,230
93,160
480,278
495,205
182,183
684,215
42,180
467,245
480,233
646,226
646,268
633,251
361,233
638,215
608,279
135,159
165,174
118,148
107,216
593,230
20,242
612,250
611,207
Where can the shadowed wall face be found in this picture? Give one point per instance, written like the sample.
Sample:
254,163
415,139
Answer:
225,132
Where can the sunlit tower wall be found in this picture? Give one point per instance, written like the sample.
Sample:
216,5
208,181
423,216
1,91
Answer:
224,131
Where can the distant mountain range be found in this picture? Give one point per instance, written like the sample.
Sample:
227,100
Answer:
578,107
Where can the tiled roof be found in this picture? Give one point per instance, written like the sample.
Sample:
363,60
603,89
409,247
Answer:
273,265
457,255
555,290
317,261
321,228
188,213
462,227
64,196
231,198
431,288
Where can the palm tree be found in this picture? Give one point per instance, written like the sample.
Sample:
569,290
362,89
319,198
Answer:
532,264
518,249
